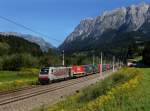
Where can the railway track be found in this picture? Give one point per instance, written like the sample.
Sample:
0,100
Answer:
16,90
27,93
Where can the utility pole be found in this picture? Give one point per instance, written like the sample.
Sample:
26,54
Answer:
101,62
63,61
113,63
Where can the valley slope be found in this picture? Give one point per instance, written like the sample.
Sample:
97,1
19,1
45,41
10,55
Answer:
113,32
39,41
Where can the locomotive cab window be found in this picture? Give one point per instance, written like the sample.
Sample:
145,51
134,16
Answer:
44,71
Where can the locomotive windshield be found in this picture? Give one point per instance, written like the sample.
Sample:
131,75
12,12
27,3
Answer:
44,71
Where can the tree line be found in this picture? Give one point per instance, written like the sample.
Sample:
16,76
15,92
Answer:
16,53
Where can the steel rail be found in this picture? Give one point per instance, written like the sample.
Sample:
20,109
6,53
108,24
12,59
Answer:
46,89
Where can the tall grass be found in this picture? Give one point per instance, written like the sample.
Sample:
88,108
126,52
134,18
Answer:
10,80
102,87
82,100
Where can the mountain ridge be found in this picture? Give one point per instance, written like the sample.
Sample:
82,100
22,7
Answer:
38,40
107,27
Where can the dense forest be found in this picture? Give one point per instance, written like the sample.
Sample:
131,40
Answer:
11,44
16,53
124,45
146,54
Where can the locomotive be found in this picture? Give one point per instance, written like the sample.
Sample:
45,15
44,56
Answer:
49,74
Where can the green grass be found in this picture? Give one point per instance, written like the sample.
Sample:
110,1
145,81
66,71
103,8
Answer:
139,100
16,79
128,100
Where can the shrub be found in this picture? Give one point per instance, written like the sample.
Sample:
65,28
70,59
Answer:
16,61
1,63
11,62
102,87
114,96
4,48
108,93
146,54
10,85
28,72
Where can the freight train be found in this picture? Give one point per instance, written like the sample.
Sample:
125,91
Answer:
49,74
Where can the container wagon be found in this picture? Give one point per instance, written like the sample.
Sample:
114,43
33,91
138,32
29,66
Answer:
48,74
95,68
88,69
77,71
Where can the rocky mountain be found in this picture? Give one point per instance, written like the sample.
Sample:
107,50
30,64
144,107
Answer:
111,29
40,41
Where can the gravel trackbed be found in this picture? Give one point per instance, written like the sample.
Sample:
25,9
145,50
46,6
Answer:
52,97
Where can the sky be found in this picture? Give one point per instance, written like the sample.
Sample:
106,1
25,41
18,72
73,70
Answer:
56,19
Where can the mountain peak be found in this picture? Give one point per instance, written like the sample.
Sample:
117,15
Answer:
124,19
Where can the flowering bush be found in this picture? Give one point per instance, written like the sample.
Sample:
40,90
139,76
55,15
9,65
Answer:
114,95
10,85
104,95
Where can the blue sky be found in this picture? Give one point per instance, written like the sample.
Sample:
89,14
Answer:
54,18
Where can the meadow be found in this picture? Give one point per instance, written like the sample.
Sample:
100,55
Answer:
126,90
10,80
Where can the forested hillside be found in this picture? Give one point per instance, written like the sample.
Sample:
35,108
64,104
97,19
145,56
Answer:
146,54
120,32
17,53
13,44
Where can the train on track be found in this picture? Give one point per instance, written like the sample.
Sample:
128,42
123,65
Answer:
49,74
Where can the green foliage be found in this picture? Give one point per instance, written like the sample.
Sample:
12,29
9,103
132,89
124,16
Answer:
1,64
17,53
91,93
132,50
13,44
26,72
101,88
78,59
81,59
137,100
50,59
111,43
11,80
16,61
146,53
4,48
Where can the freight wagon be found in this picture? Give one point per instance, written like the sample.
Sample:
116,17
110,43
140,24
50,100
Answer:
107,67
77,70
85,70
103,67
48,74
95,68
88,69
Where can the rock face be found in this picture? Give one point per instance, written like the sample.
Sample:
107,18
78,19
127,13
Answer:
107,27
41,42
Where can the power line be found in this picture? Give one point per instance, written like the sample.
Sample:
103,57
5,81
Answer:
27,28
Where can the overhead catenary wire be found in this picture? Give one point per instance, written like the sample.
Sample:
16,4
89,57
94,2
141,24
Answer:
27,28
